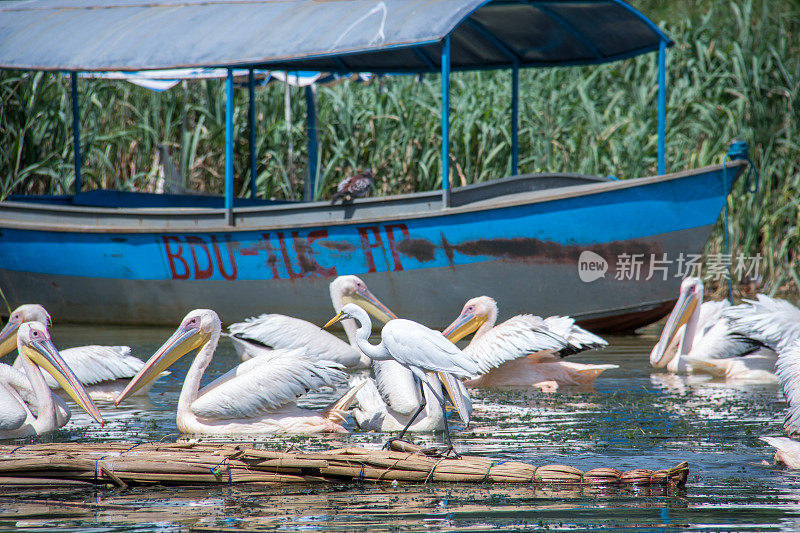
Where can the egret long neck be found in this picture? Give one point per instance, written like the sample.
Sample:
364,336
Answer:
46,417
379,352
191,385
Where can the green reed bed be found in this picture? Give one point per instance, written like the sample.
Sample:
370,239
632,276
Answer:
734,72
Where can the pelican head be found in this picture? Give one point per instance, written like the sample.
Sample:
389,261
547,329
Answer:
474,314
689,301
196,329
20,315
34,344
351,289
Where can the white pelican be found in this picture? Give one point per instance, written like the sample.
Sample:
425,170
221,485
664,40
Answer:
255,336
418,348
788,371
28,406
103,370
700,337
524,350
257,396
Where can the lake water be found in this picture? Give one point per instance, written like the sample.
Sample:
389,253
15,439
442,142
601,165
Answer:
634,417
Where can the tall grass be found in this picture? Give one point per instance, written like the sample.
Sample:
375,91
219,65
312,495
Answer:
734,72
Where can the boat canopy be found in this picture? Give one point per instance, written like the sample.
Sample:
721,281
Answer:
332,36
338,36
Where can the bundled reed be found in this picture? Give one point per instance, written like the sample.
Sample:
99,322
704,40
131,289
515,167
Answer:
123,464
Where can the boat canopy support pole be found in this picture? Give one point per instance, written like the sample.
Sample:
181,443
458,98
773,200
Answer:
311,127
446,122
229,148
514,120
251,126
662,105
76,131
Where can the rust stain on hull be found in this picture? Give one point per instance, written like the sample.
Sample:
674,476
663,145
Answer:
422,250
526,249
339,246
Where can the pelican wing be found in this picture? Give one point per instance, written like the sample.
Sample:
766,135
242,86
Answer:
280,331
95,364
17,382
720,341
517,337
711,312
265,358
266,387
772,322
413,344
397,386
15,393
578,338
788,372
13,412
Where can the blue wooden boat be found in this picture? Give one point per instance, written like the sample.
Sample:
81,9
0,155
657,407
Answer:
547,243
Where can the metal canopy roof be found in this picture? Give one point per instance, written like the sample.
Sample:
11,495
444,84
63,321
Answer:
326,35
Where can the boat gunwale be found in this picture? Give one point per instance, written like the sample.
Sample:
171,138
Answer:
509,200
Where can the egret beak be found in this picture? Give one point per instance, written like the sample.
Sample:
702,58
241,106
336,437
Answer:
369,303
454,392
462,326
45,355
339,316
8,336
680,315
183,341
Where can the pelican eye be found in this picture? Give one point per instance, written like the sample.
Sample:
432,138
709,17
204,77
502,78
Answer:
35,333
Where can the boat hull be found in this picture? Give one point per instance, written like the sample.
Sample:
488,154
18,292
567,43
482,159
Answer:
528,250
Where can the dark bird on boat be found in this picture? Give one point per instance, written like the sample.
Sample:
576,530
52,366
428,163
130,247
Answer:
357,186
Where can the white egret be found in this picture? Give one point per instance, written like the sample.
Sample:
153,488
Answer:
103,370
418,348
27,405
524,350
256,336
701,337
257,396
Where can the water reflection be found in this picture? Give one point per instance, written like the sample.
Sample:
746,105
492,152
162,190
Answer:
634,418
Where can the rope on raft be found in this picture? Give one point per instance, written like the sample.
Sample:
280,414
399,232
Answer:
205,463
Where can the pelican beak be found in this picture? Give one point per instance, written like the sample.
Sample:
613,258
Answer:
334,320
454,392
680,315
183,341
369,303
462,326
8,337
45,355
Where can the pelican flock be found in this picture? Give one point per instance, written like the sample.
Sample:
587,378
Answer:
413,370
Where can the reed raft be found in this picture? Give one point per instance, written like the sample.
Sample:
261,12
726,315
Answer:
124,464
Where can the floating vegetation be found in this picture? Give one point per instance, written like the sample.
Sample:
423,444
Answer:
123,464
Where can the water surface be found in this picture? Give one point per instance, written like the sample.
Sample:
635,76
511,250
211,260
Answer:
634,417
